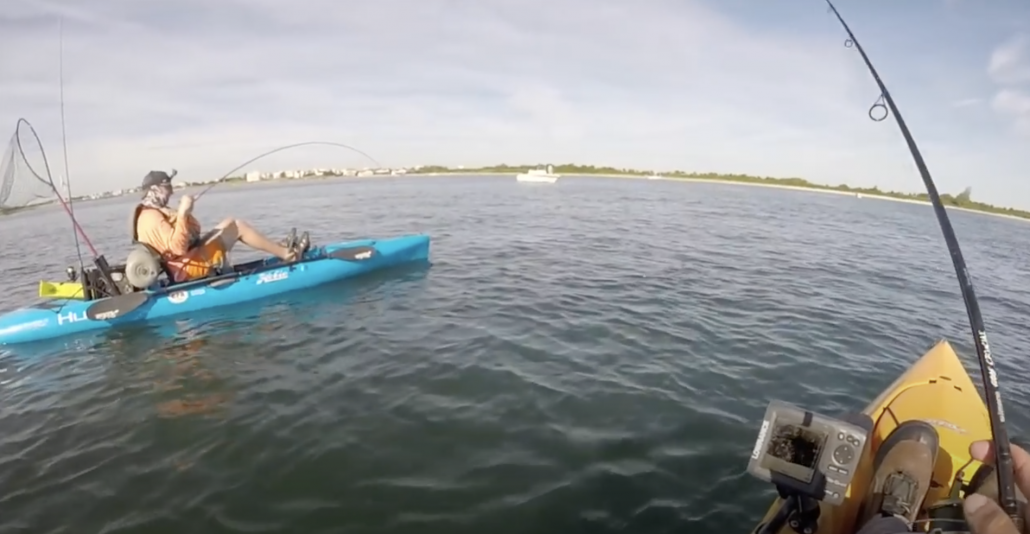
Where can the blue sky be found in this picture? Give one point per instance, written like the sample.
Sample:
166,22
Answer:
743,86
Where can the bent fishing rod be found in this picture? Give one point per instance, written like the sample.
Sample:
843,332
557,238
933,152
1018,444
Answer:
68,205
49,181
992,392
274,150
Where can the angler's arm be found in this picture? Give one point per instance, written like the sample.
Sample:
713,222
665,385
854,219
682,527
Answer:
172,238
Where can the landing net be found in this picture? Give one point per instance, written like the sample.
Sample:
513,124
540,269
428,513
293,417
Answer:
25,178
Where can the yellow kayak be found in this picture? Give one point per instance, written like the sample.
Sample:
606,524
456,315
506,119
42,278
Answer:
938,391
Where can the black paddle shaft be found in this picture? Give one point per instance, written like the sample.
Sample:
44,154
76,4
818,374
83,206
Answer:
359,253
121,305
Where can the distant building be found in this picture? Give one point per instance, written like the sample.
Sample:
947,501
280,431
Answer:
253,176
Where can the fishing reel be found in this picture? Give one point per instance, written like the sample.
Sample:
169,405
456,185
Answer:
946,517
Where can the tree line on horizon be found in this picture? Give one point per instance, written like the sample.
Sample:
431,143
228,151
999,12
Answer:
960,200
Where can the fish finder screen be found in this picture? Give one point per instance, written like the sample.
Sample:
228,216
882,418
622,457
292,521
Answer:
797,446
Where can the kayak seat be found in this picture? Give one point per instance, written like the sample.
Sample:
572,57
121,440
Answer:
145,265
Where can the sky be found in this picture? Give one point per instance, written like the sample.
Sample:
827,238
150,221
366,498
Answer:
730,86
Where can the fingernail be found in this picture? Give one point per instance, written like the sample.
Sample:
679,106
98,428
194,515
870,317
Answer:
979,449
973,503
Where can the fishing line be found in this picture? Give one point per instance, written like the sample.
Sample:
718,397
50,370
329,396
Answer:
274,150
992,392
64,145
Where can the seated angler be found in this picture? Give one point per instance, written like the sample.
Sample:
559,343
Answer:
176,234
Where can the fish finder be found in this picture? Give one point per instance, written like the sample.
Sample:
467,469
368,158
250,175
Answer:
806,453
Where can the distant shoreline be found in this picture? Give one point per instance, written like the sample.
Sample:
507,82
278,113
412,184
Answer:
795,184
745,183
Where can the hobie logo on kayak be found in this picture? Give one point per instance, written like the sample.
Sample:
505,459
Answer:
363,255
107,315
946,424
274,276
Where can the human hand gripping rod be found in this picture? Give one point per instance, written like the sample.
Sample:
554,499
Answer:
992,392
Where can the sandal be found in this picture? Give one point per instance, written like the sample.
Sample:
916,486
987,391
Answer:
303,244
298,247
291,239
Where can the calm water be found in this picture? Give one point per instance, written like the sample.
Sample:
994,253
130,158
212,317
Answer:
585,357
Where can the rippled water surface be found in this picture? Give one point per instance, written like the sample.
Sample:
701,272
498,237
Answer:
585,357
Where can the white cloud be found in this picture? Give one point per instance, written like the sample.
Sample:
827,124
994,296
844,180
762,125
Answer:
1010,62
202,86
1015,104
1009,67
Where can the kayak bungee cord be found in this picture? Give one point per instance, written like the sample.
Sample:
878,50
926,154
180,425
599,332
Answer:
274,150
992,392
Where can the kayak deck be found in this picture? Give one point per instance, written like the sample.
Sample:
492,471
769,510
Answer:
936,389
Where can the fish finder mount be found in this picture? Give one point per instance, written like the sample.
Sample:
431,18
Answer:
810,458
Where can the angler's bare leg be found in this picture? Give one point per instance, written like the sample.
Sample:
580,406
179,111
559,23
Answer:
233,230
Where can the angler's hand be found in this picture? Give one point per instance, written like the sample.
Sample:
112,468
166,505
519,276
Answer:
983,514
185,205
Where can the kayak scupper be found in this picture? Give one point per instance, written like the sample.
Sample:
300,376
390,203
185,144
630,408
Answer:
245,282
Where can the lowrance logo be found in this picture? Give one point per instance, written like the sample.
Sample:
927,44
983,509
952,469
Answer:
757,451
106,315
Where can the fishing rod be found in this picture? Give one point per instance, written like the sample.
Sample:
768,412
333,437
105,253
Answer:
64,147
77,230
992,392
279,149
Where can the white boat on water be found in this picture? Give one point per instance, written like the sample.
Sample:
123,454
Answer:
539,176
654,176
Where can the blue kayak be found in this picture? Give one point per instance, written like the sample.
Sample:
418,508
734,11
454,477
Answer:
245,282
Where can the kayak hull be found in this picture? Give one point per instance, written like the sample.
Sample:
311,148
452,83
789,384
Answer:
61,317
936,389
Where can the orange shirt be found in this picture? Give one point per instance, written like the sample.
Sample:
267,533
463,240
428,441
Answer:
168,235
171,237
